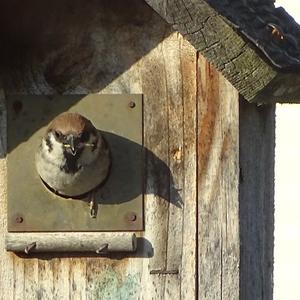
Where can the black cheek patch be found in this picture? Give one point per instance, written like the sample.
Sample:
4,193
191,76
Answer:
49,143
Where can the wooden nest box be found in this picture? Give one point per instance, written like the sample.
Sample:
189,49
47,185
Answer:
209,220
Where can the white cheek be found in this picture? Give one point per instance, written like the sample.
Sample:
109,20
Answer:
57,149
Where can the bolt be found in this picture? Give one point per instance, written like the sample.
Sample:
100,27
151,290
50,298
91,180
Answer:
131,104
131,217
19,219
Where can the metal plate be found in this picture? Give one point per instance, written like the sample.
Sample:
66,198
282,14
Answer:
31,207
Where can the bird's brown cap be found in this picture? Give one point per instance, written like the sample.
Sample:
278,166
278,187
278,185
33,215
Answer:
70,123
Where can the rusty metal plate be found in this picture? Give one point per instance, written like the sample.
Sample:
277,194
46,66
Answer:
31,207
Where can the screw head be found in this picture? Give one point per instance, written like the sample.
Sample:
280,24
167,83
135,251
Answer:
131,104
131,217
19,219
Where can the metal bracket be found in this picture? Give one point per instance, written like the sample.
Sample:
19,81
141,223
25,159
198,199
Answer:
31,207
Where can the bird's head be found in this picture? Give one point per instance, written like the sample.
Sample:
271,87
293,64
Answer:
73,132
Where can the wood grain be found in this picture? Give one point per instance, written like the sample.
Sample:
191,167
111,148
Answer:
174,80
257,151
156,140
189,93
218,168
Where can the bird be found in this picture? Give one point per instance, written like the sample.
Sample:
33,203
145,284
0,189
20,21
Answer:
73,158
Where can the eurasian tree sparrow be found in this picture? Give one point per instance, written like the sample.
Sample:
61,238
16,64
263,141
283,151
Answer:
73,157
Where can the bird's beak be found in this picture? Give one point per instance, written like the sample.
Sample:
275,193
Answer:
71,142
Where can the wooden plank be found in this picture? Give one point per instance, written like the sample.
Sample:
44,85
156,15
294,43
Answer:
31,278
77,278
61,278
181,84
174,82
218,139
157,177
45,279
96,242
19,280
257,152
189,238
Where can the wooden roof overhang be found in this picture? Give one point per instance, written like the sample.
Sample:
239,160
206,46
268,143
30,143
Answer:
255,45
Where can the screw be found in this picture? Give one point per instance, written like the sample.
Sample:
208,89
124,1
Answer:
131,104
102,249
30,247
19,219
131,217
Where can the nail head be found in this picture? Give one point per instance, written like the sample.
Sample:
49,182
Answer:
131,217
19,219
131,104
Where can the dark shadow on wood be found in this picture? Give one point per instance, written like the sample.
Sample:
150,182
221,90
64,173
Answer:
256,192
121,181
59,47
144,250
120,185
77,47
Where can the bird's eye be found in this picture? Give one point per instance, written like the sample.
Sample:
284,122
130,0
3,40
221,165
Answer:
57,134
84,136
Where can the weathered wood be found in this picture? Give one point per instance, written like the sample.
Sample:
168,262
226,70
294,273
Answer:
221,44
63,268
97,242
45,279
218,169
189,239
191,136
139,64
257,151
31,278
173,73
156,120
